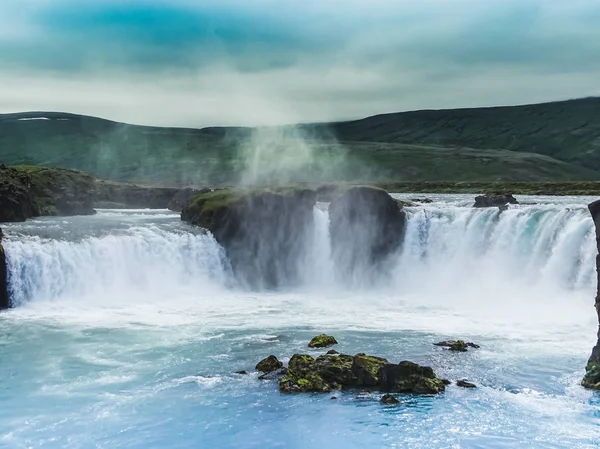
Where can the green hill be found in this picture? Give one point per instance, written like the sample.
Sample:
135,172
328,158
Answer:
545,142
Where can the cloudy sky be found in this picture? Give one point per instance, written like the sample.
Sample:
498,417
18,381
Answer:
255,62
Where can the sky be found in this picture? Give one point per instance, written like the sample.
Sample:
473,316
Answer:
263,62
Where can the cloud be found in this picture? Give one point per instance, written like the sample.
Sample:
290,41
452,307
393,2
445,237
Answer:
198,63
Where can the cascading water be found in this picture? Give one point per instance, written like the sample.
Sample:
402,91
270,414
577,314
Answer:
128,328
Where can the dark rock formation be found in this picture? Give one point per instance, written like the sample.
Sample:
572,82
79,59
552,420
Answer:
241,373
408,377
4,295
264,232
366,368
269,364
494,200
133,196
322,341
388,399
27,192
457,345
274,375
181,198
366,226
465,384
332,372
332,352
592,370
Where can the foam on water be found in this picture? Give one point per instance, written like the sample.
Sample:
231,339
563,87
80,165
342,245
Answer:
128,329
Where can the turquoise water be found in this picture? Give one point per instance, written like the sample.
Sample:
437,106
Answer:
138,345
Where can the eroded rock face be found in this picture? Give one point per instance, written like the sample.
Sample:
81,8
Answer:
366,226
494,200
264,232
27,192
4,295
592,370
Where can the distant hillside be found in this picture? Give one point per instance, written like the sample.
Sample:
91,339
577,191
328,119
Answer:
566,130
546,142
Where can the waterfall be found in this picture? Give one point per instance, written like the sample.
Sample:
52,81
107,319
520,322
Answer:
447,248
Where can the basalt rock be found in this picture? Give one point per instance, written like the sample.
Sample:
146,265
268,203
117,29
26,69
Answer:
332,372
592,370
4,295
366,226
465,384
408,377
457,345
269,364
367,368
264,232
494,200
322,341
388,399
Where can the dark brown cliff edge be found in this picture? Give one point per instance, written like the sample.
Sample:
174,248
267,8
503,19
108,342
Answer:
592,370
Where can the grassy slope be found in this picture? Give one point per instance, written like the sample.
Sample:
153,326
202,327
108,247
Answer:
566,130
454,145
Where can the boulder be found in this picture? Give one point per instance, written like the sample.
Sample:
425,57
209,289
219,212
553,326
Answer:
332,352
388,399
366,226
592,369
336,369
264,232
494,200
322,341
408,377
269,364
465,384
302,377
181,198
366,369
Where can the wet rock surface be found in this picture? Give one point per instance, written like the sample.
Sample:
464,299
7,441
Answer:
264,232
366,226
322,341
494,200
457,345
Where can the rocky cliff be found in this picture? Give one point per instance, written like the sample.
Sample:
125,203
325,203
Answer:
592,370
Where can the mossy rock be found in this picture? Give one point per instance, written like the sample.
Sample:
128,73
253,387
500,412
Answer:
312,383
336,369
591,379
366,369
269,364
409,377
322,341
458,346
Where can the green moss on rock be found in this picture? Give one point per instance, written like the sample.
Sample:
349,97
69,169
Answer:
269,364
458,346
366,369
322,341
592,376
